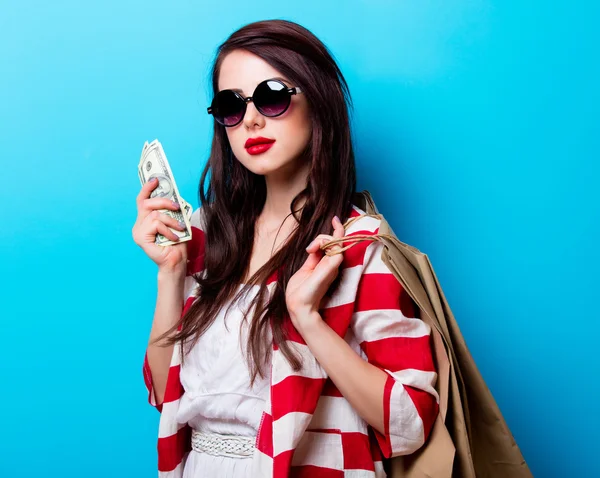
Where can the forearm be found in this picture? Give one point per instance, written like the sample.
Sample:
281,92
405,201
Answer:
169,305
360,382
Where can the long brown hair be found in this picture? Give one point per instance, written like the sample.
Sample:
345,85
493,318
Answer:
235,196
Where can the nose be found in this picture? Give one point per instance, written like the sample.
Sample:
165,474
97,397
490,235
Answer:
253,117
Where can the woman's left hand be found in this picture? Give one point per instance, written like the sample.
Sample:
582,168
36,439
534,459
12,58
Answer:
308,285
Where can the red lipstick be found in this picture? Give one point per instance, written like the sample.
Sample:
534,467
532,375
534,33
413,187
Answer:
258,145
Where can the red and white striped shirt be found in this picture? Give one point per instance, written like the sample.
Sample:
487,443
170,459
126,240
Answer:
308,428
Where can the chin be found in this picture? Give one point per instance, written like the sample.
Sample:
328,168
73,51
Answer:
263,170
262,164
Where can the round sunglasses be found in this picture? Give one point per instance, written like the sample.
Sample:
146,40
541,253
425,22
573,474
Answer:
271,98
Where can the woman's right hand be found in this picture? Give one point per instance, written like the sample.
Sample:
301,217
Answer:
150,222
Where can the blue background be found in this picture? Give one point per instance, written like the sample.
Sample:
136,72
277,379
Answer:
483,155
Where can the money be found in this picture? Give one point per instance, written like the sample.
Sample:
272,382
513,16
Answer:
154,164
186,207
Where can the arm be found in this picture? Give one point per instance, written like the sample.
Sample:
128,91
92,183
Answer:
360,382
157,361
170,306
393,392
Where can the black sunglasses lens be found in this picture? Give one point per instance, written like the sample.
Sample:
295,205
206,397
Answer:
228,108
271,98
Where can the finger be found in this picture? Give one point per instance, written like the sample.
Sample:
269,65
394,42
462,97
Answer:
311,261
338,233
154,225
317,242
314,253
165,219
151,204
327,269
338,227
321,241
318,261
172,222
165,231
146,190
328,266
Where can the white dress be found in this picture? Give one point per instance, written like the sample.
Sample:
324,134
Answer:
217,394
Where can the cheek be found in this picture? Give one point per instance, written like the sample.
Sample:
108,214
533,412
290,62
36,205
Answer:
298,125
236,139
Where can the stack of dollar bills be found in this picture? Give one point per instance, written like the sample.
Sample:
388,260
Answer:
154,164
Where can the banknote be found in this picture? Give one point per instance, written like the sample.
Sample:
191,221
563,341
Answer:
186,207
154,164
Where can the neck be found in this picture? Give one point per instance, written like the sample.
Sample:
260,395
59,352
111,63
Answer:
282,188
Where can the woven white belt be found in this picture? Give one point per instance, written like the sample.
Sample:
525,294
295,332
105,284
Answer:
223,445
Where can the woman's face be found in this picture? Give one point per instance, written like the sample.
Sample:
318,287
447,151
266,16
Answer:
242,71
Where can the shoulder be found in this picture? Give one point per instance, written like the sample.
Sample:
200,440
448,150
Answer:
362,223
359,223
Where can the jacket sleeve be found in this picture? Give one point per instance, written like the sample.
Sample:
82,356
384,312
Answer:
195,253
386,324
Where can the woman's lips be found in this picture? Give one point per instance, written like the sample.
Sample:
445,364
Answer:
259,148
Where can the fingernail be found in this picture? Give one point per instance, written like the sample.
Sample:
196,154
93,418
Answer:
181,224
337,219
176,204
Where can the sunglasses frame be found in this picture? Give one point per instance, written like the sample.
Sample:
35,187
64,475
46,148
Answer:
247,99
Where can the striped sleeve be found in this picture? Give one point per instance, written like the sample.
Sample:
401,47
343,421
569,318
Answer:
195,253
386,324
148,383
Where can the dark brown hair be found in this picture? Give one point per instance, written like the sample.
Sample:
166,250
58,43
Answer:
236,196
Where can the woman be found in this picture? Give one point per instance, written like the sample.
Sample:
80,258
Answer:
280,360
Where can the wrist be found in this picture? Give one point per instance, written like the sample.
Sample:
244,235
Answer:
168,274
308,323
